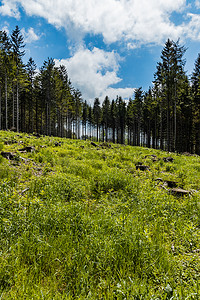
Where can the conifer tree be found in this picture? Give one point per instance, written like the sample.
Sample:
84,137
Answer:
195,79
121,120
90,120
17,42
48,89
106,116
97,115
113,119
84,119
130,121
6,69
31,70
170,72
138,105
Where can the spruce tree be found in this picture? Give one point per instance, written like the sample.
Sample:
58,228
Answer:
17,42
195,79
31,70
169,75
97,115
106,116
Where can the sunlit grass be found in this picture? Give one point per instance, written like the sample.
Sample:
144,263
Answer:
82,223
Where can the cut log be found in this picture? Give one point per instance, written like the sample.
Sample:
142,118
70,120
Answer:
27,149
179,192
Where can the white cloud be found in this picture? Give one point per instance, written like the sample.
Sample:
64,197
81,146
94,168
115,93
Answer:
9,8
143,21
112,93
93,72
133,23
29,36
193,30
197,3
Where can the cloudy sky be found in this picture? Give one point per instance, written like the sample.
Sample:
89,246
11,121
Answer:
109,47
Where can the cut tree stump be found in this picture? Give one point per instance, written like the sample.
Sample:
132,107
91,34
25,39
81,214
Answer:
168,159
10,142
37,135
93,144
171,183
139,163
8,155
105,145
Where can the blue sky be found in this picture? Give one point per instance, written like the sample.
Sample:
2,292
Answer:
110,47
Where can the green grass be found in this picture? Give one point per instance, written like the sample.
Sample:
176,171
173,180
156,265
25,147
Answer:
82,223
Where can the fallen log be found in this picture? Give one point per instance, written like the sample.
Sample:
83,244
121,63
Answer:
179,192
27,149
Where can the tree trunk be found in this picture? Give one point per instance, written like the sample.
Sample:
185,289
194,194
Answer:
36,115
161,127
97,131
17,104
168,123
13,107
6,102
0,108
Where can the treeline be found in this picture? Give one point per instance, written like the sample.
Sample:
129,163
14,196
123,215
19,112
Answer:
167,116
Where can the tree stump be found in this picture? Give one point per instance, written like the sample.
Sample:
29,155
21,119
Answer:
142,168
171,183
93,144
8,155
168,159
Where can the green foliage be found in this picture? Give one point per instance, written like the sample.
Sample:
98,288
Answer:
82,223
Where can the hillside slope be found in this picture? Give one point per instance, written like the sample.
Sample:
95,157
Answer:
97,221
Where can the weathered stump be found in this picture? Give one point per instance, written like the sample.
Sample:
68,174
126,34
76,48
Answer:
171,183
168,159
93,144
8,155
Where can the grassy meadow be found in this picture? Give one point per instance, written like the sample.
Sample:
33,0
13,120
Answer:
82,222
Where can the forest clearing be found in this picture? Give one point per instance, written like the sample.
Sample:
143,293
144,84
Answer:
85,220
